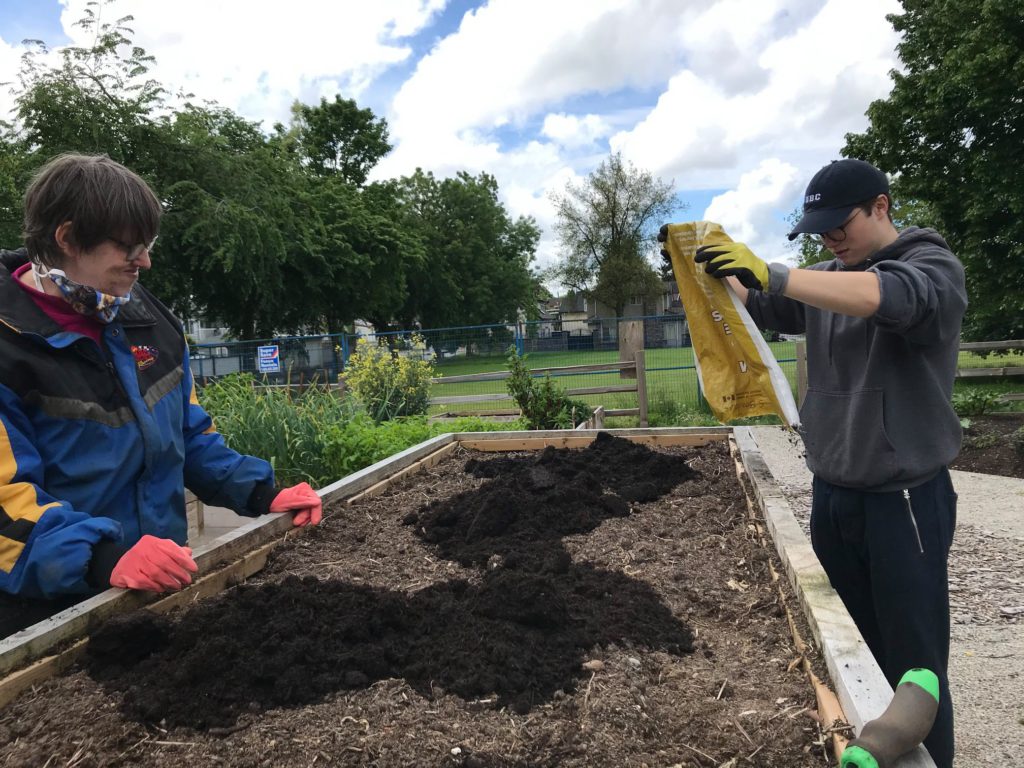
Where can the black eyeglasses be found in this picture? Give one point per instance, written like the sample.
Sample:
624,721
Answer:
134,252
838,234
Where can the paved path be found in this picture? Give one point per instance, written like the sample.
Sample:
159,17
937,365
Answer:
986,576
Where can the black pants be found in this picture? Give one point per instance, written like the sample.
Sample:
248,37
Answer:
886,556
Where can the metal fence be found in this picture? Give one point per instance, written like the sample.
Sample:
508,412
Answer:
458,351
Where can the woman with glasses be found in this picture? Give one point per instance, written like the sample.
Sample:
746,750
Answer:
882,321
100,428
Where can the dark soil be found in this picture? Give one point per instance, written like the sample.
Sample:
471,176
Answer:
987,447
605,607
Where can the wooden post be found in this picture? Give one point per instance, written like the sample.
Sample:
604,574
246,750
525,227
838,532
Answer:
194,515
631,339
641,386
801,372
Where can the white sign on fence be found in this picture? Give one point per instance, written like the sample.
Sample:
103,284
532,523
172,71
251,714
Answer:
268,359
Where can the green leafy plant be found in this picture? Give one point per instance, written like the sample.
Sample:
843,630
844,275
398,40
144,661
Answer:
976,402
1017,441
666,411
360,441
387,383
284,428
318,436
543,403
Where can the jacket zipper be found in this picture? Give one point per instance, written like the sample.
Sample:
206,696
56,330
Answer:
913,521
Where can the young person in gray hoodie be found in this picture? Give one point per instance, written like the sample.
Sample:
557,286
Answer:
882,321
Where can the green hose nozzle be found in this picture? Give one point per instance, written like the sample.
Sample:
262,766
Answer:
902,727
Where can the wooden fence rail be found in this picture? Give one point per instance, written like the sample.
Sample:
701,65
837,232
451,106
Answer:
638,385
961,373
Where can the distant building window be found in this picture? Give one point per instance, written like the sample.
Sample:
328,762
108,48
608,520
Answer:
636,299
586,305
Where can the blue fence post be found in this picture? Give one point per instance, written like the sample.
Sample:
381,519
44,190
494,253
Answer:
344,351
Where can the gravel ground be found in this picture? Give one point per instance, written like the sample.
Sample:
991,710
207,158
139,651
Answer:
986,573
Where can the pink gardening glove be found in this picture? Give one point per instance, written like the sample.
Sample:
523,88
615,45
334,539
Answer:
155,565
303,501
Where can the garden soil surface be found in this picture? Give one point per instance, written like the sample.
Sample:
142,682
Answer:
612,606
987,447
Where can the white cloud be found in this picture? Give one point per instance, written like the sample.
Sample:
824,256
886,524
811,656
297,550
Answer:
258,57
10,63
745,81
799,95
750,212
573,132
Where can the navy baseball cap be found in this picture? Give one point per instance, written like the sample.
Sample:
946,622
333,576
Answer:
835,191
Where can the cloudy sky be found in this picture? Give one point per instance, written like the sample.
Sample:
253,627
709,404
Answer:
737,102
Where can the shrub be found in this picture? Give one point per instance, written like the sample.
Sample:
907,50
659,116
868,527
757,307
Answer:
389,385
360,441
1017,441
665,411
285,429
316,437
976,402
543,403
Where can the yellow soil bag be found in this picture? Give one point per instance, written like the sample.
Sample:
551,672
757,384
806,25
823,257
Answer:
735,366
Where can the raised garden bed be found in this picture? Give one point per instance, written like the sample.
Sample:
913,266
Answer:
613,606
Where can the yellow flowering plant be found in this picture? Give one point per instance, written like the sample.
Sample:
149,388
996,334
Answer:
388,384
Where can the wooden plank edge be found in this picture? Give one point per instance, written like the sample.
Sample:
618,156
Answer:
419,466
862,689
831,717
51,666
531,440
581,438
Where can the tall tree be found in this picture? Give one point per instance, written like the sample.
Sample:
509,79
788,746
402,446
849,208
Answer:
607,227
476,258
96,99
337,137
952,129
255,232
15,164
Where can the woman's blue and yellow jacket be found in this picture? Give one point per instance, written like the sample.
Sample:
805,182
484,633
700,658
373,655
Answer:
97,446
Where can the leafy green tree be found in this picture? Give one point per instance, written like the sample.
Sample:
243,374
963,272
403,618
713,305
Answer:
623,278
255,233
270,234
94,100
373,253
15,165
476,259
337,137
607,225
951,128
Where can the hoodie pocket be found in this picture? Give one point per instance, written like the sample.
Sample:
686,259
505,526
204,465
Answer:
844,434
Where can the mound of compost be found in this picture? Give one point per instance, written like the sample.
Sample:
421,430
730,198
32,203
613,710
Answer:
532,502
516,638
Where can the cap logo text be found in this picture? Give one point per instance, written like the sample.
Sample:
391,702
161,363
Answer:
812,198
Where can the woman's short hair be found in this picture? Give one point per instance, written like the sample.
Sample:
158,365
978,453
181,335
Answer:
100,197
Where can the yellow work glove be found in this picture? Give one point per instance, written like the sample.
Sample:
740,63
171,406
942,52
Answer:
737,260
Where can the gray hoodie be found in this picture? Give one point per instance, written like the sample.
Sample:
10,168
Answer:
878,413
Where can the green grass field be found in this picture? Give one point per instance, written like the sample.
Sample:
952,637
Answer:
671,380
